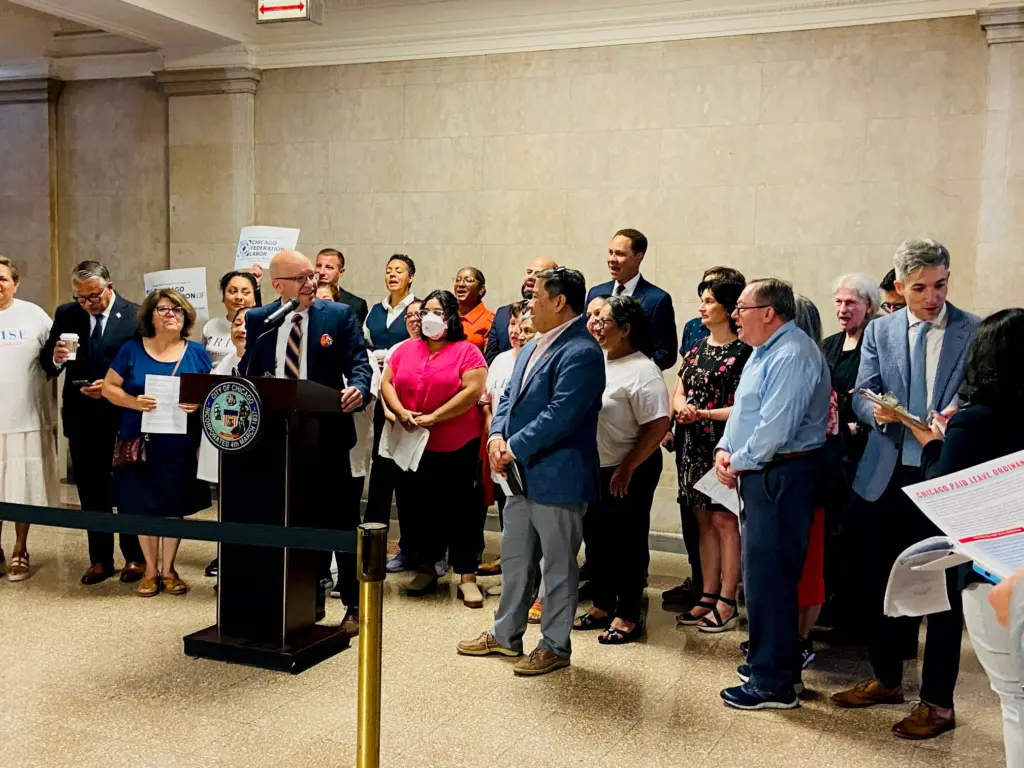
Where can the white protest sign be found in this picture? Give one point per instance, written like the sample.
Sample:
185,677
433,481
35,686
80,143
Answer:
257,245
190,283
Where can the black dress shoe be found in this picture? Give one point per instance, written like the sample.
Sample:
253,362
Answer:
321,614
97,572
211,569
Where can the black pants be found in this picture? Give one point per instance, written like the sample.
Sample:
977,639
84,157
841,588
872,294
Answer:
891,524
690,527
346,560
345,519
778,504
383,474
91,462
615,530
447,514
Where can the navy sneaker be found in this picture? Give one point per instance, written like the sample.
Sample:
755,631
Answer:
743,671
745,697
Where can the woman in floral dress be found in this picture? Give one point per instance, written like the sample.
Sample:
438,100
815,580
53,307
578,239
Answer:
702,401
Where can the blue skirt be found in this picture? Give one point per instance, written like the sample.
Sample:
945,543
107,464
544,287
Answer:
166,484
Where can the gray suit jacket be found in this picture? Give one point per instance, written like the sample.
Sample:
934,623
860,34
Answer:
885,367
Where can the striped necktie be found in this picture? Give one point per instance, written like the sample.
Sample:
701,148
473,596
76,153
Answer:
293,349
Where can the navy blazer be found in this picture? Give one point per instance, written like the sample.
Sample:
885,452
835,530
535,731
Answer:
341,362
657,306
885,367
497,337
80,414
358,304
550,421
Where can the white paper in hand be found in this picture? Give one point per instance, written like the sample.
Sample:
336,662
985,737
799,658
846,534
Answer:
711,487
167,418
917,582
402,447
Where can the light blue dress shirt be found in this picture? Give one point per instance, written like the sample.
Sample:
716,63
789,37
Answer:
781,403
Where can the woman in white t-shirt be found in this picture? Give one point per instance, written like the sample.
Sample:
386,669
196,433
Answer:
634,420
28,437
238,290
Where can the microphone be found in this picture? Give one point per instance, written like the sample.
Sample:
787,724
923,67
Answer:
288,306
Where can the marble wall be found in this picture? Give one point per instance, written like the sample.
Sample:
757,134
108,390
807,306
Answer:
25,196
112,180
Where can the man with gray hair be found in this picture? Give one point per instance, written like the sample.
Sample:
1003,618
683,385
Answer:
916,354
771,449
101,321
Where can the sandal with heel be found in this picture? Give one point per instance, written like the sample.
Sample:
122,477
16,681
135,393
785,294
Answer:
707,600
713,624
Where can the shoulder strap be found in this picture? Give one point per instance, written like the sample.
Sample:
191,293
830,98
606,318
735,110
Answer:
180,358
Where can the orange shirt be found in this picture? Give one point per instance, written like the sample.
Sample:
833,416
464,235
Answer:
477,324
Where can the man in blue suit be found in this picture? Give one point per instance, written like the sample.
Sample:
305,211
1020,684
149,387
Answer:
319,341
545,430
918,355
625,252
497,337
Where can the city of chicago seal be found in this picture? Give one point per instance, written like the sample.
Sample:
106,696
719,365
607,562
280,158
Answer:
231,415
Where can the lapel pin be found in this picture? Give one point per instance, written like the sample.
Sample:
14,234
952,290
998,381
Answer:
326,340
118,315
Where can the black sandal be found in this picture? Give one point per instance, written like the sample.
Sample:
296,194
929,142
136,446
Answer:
713,624
616,636
588,621
688,619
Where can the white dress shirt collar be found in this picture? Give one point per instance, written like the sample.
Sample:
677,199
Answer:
939,322
105,314
544,342
628,287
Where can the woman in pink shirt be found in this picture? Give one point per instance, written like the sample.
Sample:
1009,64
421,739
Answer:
434,383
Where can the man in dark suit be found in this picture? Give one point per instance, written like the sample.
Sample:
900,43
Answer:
917,354
497,337
103,322
330,266
319,341
546,422
625,252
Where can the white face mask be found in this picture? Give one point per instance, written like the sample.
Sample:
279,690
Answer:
433,327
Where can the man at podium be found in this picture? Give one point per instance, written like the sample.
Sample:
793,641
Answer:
319,341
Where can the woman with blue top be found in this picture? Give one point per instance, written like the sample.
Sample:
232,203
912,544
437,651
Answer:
155,474
385,327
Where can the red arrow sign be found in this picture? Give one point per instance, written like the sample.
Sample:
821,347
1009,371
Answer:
275,8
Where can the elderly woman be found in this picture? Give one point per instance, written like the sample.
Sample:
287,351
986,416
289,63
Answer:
702,402
237,290
993,390
470,289
632,423
28,438
434,383
156,474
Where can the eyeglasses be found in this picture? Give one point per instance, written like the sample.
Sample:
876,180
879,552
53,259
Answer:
891,306
752,306
460,280
92,298
600,322
176,311
305,277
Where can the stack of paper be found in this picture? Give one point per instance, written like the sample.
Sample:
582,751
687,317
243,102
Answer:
711,487
403,447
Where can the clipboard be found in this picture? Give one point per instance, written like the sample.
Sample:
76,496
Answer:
890,403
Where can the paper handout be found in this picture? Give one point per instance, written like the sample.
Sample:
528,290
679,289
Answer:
257,245
710,486
917,582
404,448
167,418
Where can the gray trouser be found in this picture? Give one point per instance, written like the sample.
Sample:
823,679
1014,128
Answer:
531,531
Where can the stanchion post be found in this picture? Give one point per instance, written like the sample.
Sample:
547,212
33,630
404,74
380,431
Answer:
371,555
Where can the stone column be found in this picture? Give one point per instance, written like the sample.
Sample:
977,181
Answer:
999,265
28,184
211,157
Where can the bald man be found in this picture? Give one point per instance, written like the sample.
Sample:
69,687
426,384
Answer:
497,338
319,341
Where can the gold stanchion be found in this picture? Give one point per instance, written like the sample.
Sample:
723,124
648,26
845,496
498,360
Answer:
371,556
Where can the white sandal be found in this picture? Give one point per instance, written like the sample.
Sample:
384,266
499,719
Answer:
470,594
19,568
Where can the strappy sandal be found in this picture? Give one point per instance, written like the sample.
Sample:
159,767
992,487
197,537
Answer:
707,600
19,569
616,636
148,586
589,621
173,585
713,624
533,617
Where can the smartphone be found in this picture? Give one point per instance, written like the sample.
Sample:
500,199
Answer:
991,577
80,383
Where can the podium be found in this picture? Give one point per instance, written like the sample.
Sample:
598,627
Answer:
266,597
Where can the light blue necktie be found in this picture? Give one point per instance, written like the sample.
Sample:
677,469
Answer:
918,394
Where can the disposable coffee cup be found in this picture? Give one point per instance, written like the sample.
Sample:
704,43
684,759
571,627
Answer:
71,339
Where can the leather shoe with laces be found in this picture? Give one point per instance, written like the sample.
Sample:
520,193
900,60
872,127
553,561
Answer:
350,624
132,572
923,722
868,694
97,573
540,662
485,644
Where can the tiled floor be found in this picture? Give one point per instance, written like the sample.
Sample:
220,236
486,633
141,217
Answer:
96,677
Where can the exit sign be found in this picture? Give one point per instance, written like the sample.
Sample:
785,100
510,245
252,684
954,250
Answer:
289,10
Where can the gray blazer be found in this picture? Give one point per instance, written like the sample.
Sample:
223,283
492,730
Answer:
885,367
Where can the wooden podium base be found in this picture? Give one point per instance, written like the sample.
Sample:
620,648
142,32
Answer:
306,650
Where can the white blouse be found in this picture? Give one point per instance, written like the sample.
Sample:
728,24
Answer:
27,403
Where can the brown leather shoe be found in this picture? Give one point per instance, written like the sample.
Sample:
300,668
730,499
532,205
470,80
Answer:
540,662
868,694
923,722
484,644
132,572
350,624
97,572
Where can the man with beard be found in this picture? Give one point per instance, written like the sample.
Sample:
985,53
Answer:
497,338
